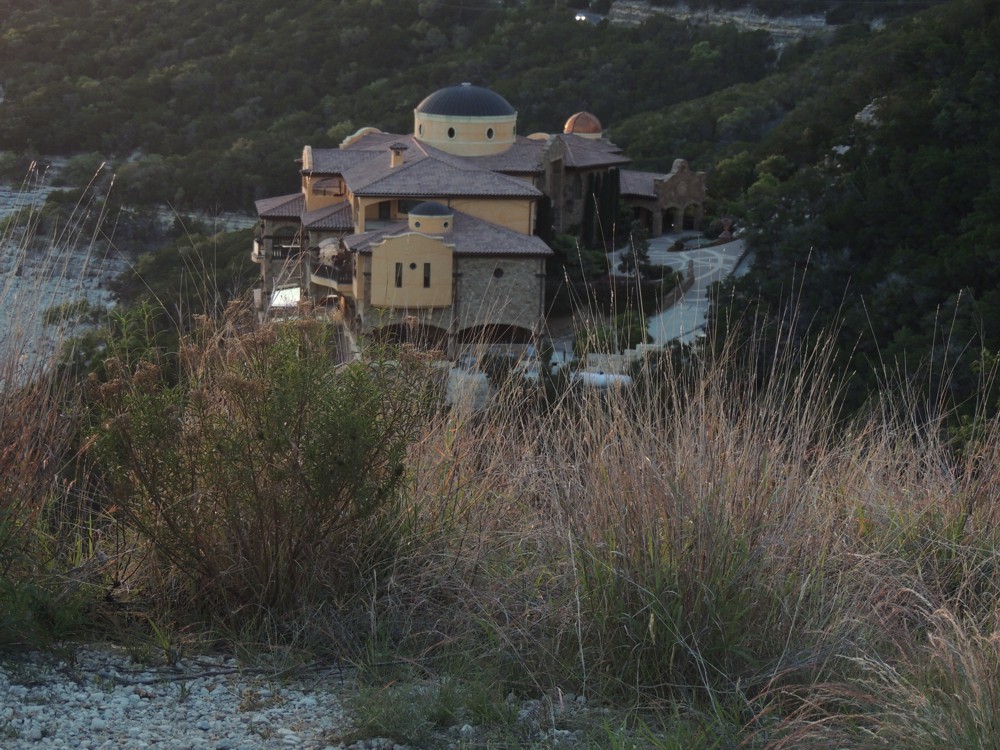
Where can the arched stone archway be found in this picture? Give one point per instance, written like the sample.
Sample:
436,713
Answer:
671,219
692,217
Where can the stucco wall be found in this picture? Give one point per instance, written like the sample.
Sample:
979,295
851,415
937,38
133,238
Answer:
411,252
516,214
332,190
470,136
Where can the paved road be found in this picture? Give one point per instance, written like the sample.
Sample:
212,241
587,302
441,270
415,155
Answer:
686,319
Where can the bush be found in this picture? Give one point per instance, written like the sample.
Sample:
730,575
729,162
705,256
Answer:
265,475
626,331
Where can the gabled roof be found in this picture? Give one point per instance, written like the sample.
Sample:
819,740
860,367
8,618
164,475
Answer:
584,153
338,217
427,172
281,207
470,236
362,243
523,157
473,236
639,184
340,160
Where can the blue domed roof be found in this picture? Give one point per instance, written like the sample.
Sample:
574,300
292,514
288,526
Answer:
466,100
430,208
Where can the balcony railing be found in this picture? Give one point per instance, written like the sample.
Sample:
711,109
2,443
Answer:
339,274
283,251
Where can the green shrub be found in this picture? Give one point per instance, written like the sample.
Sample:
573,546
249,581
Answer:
264,473
626,331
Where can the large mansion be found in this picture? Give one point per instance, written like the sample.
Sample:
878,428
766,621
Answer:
430,237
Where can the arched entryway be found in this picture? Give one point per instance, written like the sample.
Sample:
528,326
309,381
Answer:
692,217
671,219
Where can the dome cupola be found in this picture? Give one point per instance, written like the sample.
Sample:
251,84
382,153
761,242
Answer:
466,120
585,125
431,217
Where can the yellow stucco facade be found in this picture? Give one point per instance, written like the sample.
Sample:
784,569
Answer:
412,271
515,214
466,136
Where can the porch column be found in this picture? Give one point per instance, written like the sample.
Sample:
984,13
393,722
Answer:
656,220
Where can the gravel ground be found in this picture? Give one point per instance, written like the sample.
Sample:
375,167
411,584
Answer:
101,698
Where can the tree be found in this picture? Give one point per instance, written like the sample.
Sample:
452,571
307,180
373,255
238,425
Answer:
638,249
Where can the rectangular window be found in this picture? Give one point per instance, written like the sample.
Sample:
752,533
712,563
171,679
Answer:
427,275
399,275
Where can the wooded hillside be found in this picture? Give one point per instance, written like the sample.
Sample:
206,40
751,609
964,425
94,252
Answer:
212,103
862,163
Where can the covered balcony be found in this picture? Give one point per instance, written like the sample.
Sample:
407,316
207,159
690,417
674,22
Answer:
335,273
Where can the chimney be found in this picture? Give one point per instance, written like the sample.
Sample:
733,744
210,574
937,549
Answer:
397,150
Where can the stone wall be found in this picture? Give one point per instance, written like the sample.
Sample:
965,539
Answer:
499,290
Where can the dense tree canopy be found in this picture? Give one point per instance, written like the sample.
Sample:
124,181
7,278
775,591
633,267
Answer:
861,162
873,202
212,103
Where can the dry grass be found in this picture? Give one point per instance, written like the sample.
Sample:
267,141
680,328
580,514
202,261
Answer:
717,538
47,548
728,544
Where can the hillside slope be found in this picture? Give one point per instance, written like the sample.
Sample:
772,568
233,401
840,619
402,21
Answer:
867,175
214,102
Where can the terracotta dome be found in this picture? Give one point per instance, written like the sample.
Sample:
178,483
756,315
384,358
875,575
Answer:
583,123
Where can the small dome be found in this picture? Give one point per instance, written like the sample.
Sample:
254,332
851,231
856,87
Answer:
583,123
430,208
431,217
465,100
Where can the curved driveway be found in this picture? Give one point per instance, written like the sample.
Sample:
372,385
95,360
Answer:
686,319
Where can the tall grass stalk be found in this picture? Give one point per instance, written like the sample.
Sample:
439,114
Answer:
46,538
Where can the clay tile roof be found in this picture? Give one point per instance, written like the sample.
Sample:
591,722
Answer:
281,207
428,173
337,217
469,236
339,160
639,184
472,236
583,153
523,157
362,243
